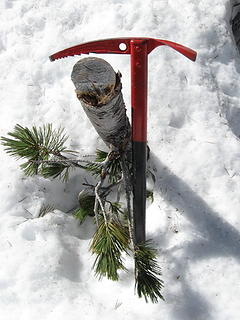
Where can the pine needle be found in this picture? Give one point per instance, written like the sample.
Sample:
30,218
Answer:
148,283
113,168
100,155
55,169
94,169
80,214
109,241
45,209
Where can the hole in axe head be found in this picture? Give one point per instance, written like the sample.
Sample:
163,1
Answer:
122,46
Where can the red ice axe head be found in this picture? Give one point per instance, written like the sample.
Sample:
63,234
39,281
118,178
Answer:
138,48
121,46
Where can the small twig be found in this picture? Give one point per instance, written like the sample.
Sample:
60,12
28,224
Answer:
231,176
105,189
26,219
73,162
66,160
100,201
112,155
9,243
89,185
128,190
96,210
89,156
22,199
117,305
32,217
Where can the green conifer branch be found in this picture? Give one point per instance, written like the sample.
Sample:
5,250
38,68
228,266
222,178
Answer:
34,142
109,242
37,145
147,273
43,148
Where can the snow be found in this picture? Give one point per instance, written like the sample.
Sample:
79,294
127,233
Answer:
193,133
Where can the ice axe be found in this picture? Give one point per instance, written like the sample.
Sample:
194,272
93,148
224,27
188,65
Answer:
138,48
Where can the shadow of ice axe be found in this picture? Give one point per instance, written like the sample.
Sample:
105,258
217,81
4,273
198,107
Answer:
138,48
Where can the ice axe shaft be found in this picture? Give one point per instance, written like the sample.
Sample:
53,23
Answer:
139,81
138,48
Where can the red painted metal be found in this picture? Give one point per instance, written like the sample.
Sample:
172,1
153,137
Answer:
113,46
139,77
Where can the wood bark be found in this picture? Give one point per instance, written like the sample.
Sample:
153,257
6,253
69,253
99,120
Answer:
98,88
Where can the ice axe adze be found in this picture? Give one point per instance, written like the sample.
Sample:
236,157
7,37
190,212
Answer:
138,48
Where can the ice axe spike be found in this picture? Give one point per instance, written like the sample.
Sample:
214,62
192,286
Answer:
138,48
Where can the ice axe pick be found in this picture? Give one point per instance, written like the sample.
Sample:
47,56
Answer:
138,48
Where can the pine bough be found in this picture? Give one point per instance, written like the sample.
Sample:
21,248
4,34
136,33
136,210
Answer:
98,88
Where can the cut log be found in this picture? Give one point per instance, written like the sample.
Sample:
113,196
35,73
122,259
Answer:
98,88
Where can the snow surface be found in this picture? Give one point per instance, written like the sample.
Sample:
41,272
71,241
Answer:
194,114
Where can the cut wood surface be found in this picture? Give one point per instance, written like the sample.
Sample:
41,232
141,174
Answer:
98,88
